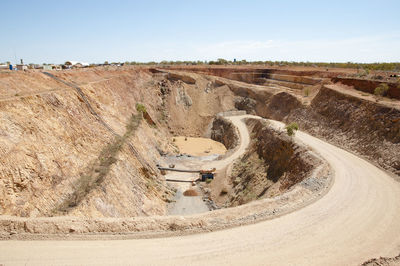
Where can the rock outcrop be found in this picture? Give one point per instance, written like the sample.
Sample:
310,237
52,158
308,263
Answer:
223,131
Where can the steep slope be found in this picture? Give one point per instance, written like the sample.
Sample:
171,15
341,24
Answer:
53,146
66,147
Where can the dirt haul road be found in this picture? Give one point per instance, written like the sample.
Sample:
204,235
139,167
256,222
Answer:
356,220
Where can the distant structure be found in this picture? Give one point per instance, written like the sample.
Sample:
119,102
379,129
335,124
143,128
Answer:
75,64
21,67
47,67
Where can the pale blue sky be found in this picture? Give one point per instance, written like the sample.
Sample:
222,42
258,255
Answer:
95,31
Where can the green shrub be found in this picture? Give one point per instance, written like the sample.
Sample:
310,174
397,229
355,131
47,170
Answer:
208,180
381,90
141,108
290,129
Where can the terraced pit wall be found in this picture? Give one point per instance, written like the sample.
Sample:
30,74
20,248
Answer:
297,80
368,128
370,85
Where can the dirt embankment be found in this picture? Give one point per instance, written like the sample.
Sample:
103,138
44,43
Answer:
369,85
273,164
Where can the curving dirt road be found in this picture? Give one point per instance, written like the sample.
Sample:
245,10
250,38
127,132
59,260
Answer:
356,220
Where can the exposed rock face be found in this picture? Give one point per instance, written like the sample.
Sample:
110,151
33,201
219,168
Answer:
245,103
188,109
280,105
223,131
182,97
56,155
272,165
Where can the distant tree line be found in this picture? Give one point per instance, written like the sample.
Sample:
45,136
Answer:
395,66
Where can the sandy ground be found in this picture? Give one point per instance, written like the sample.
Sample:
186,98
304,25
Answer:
356,220
186,205
199,146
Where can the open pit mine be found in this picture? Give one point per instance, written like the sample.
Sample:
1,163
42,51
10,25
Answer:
187,165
